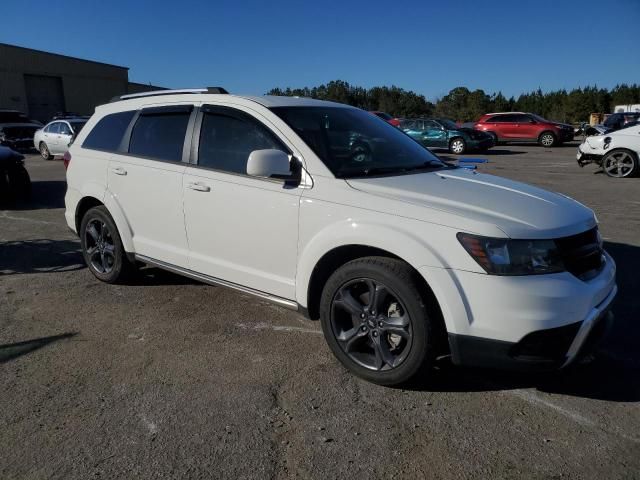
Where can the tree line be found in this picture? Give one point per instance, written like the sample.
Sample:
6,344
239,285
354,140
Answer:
462,104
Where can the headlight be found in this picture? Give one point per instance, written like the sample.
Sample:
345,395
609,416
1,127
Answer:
503,256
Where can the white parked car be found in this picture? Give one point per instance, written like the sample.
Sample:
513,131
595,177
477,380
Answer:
616,152
54,138
402,257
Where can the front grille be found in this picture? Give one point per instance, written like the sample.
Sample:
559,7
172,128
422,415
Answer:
582,253
19,132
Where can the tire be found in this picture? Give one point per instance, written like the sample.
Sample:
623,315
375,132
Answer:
19,183
389,346
621,163
102,247
547,139
44,151
457,146
495,138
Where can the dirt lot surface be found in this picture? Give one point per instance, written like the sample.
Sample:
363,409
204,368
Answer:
169,378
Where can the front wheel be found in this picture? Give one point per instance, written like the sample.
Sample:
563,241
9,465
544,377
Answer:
102,247
44,151
457,146
375,320
621,164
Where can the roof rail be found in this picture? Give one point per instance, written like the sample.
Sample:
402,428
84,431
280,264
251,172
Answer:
154,93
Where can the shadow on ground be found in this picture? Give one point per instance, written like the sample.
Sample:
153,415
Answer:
40,256
11,351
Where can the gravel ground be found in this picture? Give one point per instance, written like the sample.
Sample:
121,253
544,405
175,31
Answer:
169,378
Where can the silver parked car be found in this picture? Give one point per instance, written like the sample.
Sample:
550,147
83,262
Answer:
54,138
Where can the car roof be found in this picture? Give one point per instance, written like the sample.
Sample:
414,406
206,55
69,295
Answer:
506,113
214,94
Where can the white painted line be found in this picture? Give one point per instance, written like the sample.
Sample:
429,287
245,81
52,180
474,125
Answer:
535,399
276,328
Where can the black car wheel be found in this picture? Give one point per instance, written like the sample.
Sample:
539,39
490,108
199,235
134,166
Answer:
494,136
621,164
102,247
19,183
375,320
457,145
44,151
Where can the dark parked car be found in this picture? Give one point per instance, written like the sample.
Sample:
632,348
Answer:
17,130
443,133
387,118
15,183
524,127
620,120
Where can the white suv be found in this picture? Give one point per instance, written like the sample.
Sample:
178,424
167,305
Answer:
329,210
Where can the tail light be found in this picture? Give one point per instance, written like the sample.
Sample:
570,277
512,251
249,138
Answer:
66,159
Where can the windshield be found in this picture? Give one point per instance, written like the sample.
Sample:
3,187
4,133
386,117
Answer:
77,126
353,143
538,118
448,124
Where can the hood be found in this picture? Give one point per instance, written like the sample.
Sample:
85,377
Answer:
519,210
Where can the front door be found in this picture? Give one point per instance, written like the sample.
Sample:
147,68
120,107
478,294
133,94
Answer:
434,134
241,229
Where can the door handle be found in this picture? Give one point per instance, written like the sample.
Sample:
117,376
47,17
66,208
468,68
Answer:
119,171
200,187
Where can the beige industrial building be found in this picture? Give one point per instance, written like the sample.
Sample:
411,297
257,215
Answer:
42,83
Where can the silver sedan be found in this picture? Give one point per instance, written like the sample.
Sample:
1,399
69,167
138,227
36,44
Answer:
54,138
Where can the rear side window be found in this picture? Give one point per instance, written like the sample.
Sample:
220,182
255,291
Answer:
160,135
108,132
227,140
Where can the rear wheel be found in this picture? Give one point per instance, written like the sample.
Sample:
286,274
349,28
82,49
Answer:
44,151
102,247
495,138
621,164
457,145
547,139
19,183
375,320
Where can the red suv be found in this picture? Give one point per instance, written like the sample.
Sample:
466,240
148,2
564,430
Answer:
524,127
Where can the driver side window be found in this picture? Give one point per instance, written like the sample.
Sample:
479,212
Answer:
227,139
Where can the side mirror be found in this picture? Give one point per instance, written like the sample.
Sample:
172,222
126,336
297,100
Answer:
269,163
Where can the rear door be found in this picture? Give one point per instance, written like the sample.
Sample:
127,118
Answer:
241,229
145,178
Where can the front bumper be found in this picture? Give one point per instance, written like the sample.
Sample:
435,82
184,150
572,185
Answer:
584,158
21,144
521,321
566,135
540,350
481,144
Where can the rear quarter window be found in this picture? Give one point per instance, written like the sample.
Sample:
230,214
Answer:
108,132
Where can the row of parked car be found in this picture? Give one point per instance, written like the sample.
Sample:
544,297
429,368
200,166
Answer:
491,129
19,132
